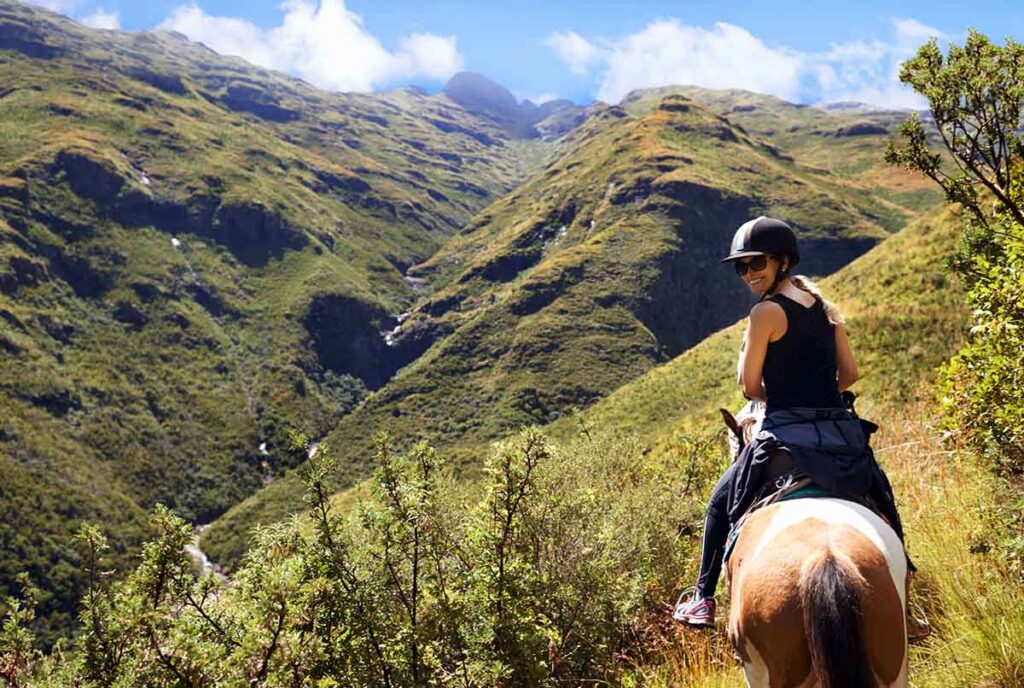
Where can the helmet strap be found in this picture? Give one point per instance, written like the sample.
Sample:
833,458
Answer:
771,290
779,276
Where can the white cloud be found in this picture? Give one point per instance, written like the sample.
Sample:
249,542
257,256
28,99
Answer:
869,72
430,55
668,52
101,19
324,44
912,33
574,49
725,56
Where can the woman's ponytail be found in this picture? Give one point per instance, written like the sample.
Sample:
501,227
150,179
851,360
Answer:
831,310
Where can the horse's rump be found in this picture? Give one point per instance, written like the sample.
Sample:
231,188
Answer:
819,572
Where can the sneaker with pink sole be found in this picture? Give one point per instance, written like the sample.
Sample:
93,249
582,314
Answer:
696,611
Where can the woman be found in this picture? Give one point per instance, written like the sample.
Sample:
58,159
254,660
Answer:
797,359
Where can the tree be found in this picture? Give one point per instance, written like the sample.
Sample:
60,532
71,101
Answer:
975,94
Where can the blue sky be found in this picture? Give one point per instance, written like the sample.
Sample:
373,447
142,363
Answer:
805,52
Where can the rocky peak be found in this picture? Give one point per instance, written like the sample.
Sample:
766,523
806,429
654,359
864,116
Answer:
481,96
477,93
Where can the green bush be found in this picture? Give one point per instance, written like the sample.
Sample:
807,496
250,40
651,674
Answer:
546,571
976,96
983,385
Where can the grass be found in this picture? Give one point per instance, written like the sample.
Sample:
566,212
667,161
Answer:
973,601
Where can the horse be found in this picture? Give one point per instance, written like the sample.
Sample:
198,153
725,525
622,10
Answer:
818,589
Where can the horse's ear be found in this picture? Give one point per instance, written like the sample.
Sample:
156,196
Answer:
730,421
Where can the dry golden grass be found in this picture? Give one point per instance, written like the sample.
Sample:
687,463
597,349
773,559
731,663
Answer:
974,603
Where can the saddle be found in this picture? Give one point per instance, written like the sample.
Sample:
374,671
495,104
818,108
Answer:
778,478
784,483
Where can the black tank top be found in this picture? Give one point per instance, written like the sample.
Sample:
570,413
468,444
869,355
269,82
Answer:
800,368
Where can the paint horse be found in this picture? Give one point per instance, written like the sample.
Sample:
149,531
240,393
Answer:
818,589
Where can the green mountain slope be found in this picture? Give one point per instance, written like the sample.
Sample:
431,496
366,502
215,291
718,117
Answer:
195,256
903,316
842,139
598,268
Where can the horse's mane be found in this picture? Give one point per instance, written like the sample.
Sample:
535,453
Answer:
749,420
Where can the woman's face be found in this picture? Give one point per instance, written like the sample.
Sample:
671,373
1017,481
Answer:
759,272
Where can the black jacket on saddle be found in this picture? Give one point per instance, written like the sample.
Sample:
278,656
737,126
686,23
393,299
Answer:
829,446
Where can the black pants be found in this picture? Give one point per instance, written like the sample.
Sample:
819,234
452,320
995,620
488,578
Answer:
716,532
716,528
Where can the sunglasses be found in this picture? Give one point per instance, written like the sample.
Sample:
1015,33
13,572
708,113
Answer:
757,263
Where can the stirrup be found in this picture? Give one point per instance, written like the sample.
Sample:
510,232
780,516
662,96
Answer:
918,627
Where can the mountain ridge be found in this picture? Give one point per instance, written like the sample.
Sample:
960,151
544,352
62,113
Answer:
592,272
478,94
198,256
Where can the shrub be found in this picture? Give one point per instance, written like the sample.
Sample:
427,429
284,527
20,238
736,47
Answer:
549,569
983,385
976,96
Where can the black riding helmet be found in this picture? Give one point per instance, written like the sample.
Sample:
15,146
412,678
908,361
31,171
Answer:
762,236
765,236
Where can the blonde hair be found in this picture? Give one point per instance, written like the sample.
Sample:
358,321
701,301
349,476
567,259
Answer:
831,310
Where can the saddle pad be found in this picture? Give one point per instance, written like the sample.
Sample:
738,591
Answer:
813,490
808,491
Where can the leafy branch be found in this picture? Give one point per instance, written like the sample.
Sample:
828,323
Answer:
975,94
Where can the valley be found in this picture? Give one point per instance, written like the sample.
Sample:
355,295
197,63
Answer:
199,256
598,268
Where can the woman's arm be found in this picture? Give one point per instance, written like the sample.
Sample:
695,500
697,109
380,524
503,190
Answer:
847,367
739,359
766,319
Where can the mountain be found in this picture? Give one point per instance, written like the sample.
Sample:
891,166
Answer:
840,139
481,96
197,255
601,266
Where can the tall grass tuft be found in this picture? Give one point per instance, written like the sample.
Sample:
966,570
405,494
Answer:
972,597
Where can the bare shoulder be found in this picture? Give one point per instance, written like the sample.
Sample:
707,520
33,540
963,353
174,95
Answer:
768,320
767,312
